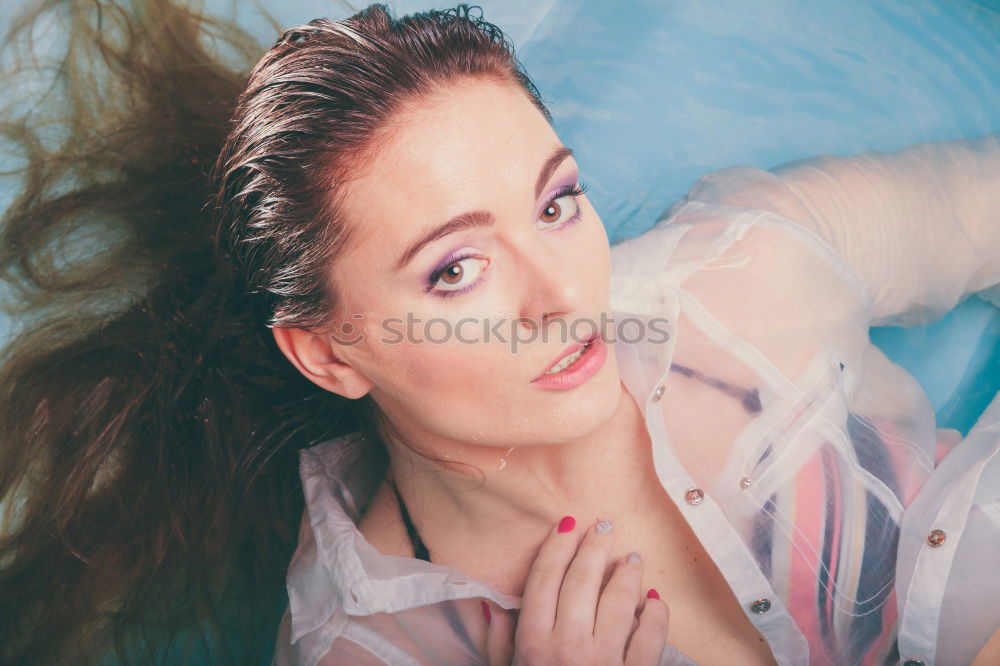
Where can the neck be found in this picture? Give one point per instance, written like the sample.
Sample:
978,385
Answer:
532,486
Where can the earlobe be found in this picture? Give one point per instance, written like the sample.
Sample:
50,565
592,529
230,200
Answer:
318,359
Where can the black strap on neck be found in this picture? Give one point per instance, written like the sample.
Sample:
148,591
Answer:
748,397
419,550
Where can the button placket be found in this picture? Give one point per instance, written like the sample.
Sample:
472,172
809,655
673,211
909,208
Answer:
696,496
780,629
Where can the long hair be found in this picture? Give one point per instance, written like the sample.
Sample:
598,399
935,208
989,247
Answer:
173,201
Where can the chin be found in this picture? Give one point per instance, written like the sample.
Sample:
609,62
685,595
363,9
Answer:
585,409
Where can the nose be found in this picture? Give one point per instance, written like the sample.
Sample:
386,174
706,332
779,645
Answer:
552,286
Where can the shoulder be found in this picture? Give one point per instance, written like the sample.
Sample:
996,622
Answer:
745,187
760,263
766,218
752,272
748,214
762,276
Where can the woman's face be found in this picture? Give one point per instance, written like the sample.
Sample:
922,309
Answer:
450,324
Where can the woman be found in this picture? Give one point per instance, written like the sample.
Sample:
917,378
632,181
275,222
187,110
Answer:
506,410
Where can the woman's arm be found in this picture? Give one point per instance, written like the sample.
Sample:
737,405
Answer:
920,226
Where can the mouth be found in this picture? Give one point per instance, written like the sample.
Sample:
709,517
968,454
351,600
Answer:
569,358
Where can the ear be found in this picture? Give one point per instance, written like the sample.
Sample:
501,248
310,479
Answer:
317,358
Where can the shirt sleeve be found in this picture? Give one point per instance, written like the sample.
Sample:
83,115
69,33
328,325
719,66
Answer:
919,227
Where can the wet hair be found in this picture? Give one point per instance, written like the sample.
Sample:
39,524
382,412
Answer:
172,200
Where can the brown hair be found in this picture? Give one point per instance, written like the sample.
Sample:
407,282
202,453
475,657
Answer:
149,426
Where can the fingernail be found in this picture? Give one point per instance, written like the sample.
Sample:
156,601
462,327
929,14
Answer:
603,526
486,610
567,523
652,594
633,558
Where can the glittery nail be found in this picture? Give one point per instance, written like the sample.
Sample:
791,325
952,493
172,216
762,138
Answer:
633,558
603,526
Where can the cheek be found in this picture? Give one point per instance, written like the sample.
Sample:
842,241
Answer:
432,363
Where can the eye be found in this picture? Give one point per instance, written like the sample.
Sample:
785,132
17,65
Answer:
458,274
555,215
462,273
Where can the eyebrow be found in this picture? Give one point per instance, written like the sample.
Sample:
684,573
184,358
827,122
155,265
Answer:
479,218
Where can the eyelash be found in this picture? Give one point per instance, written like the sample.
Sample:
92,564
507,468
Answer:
569,190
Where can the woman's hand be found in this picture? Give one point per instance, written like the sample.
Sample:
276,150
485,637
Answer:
565,616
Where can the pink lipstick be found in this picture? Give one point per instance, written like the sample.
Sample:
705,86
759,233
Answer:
575,365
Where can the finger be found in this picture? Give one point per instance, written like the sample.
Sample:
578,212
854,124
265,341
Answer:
647,643
620,600
541,588
581,587
499,635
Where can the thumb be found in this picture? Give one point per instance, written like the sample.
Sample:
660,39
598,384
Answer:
499,634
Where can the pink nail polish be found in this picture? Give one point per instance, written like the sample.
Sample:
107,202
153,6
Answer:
652,594
567,523
486,610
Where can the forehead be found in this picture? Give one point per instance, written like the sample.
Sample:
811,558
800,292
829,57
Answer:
449,150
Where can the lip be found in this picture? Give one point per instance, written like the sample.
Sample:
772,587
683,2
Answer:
581,370
572,349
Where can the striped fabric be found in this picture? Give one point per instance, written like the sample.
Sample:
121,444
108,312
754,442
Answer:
821,531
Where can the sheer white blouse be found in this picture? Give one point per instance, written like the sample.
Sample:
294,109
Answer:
850,528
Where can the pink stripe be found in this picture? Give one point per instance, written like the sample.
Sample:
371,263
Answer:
807,535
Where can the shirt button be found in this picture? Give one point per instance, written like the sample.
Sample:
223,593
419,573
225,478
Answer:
745,482
761,606
913,662
694,496
936,538
660,390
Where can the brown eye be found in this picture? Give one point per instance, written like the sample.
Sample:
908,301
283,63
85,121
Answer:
452,274
553,209
459,275
554,216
